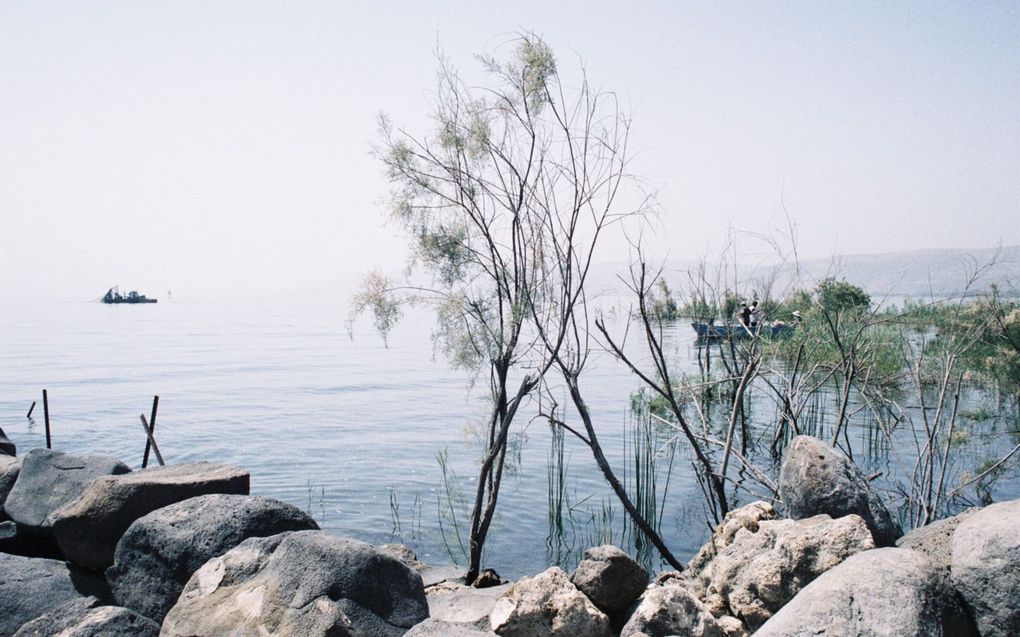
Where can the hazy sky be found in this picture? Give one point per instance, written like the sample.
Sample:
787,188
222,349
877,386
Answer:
204,146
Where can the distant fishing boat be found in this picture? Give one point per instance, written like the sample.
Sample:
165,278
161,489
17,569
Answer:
113,295
730,330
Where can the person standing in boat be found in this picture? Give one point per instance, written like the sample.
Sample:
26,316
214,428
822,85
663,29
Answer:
744,315
753,317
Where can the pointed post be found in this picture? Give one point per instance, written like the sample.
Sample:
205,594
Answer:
46,416
152,426
152,441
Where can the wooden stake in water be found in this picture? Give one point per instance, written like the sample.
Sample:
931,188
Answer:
30,410
46,416
152,425
152,441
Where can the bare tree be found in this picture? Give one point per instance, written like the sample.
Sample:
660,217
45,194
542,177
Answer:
504,203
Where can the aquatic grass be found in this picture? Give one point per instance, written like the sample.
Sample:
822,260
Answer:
447,504
396,518
557,474
321,518
650,446
560,536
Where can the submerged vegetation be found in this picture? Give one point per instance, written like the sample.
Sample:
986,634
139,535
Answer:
925,396
919,381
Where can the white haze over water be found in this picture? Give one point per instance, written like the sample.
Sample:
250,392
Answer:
223,148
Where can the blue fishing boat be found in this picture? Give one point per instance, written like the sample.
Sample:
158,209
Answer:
736,330
114,296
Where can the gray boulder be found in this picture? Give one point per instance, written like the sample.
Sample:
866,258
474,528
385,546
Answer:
10,467
746,517
935,541
888,591
8,532
9,538
86,617
986,568
758,573
87,529
31,587
307,583
464,605
438,628
159,552
732,627
437,574
50,479
547,604
671,610
815,478
610,578
7,448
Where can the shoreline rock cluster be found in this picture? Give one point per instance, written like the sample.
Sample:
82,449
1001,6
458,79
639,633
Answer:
89,547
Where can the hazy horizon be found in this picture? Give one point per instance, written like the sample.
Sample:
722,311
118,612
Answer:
201,147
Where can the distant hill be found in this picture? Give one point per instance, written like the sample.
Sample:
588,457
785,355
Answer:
936,273
939,273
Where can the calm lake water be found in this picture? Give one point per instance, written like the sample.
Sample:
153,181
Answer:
348,430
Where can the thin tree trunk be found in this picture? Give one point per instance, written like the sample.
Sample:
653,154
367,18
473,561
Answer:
485,507
614,483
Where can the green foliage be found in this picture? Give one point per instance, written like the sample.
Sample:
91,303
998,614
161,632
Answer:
376,296
663,303
701,306
983,333
782,310
644,402
472,197
837,334
993,327
463,347
837,295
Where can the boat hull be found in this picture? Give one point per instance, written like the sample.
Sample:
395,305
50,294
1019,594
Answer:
728,331
129,301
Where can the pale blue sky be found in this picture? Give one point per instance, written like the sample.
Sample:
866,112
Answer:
200,146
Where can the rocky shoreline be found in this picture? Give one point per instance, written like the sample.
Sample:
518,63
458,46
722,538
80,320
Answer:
89,547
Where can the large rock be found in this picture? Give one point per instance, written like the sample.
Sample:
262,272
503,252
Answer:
758,573
305,583
547,604
86,617
430,574
986,567
934,541
815,478
9,469
50,479
8,537
14,541
7,448
671,610
437,574
438,628
465,605
87,529
888,591
159,552
31,587
747,517
610,578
